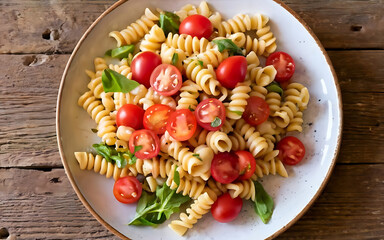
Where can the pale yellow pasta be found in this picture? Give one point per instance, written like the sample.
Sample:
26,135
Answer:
216,187
167,55
124,133
134,32
152,97
256,144
238,97
218,141
212,57
227,126
242,23
152,41
262,76
244,189
106,129
206,154
190,45
274,101
286,113
254,45
132,97
266,35
150,183
189,92
297,94
93,106
296,124
238,142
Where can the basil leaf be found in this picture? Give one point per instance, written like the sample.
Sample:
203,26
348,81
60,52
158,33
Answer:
175,59
176,177
216,122
104,151
108,53
122,52
137,148
227,44
190,108
196,155
263,203
169,22
275,87
201,63
115,82
238,113
119,159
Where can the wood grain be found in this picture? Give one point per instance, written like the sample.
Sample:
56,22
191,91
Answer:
58,25
349,197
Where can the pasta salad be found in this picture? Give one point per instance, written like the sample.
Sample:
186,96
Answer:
186,113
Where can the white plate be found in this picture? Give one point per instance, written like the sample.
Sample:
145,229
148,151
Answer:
292,196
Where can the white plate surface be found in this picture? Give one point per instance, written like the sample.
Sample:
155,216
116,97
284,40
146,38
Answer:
293,195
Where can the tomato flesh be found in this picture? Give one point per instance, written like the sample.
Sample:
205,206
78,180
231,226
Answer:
142,66
196,26
232,71
291,150
284,65
247,164
256,111
225,167
130,115
226,209
149,142
207,111
127,189
166,79
181,124
156,118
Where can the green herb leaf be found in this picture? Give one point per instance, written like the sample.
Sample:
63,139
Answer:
274,87
94,130
154,209
104,151
176,177
216,122
196,155
190,108
122,52
263,203
175,59
137,148
227,44
238,113
115,82
169,22
201,63
119,159
108,53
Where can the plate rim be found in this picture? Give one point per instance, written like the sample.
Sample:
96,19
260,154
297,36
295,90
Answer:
122,236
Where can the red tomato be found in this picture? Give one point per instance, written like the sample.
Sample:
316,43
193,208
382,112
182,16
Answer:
166,79
256,111
149,142
156,118
247,164
127,189
232,71
226,208
130,115
181,124
142,66
196,26
284,65
225,167
207,111
291,150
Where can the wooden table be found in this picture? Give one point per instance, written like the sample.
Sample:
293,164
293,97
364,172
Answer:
36,199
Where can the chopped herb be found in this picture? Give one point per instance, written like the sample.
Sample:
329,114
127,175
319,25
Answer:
196,155
175,59
137,148
176,177
201,63
216,122
169,22
237,112
108,53
115,82
94,130
274,87
263,203
190,108
227,44
110,154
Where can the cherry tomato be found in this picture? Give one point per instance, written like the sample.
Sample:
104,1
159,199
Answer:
207,113
166,79
142,66
225,167
226,208
284,65
247,164
256,111
156,118
149,142
181,124
127,189
130,115
291,150
196,26
232,71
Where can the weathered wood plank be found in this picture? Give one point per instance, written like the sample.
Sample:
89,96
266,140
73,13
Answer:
27,108
57,26
349,197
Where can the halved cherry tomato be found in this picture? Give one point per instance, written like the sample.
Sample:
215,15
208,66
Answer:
196,26
181,124
225,167
232,71
256,111
247,164
166,79
226,208
142,66
207,113
127,189
156,118
284,65
291,150
130,115
149,142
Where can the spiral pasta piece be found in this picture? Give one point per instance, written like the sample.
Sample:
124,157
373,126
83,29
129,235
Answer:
244,189
262,76
242,23
238,142
93,106
150,183
189,92
239,96
152,41
257,145
259,91
167,56
254,45
201,206
219,141
190,45
297,94
134,32
107,130
152,97
212,56
133,97
273,100
286,113
266,35
296,124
